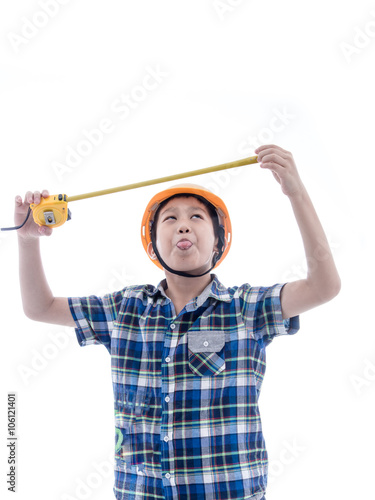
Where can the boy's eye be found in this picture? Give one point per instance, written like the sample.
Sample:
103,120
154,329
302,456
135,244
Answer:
173,217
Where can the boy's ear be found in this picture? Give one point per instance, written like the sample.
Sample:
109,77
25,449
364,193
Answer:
216,249
150,251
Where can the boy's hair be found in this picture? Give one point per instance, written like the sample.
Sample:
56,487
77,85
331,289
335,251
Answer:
210,208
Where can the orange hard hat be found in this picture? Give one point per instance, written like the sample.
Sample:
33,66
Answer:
193,189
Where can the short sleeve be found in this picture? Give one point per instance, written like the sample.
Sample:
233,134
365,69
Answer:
94,317
262,309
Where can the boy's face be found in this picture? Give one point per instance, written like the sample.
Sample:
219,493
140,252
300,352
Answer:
185,236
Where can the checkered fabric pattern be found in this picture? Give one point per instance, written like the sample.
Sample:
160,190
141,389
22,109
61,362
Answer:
186,387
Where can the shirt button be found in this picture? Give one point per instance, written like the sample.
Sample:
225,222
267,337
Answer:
168,476
167,359
167,399
173,326
205,343
166,439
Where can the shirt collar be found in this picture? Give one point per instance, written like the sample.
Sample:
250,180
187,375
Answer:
219,291
214,289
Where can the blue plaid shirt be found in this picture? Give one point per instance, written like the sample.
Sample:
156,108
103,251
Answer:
186,387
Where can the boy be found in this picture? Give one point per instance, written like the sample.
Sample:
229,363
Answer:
188,357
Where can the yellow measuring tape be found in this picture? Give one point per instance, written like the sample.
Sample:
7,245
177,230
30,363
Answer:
53,210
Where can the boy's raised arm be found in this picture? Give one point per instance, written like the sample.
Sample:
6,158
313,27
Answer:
38,301
322,282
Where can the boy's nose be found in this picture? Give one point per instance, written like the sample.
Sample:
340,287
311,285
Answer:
184,229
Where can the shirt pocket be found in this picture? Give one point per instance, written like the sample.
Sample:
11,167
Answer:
206,352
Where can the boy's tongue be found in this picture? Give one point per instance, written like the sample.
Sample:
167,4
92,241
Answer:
184,245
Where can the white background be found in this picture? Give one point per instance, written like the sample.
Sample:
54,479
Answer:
228,70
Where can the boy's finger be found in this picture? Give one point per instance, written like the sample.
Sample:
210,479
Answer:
37,197
265,146
274,158
45,193
271,150
18,200
29,198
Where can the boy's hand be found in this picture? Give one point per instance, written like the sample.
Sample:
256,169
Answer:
281,164
30,230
